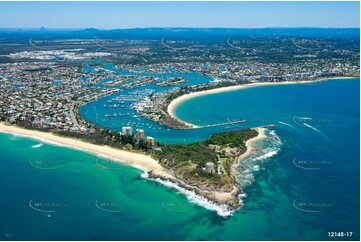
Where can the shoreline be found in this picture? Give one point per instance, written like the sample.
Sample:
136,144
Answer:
249,145
179,100
228,199
136,160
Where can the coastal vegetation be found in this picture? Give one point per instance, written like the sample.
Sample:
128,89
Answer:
99,136
188,161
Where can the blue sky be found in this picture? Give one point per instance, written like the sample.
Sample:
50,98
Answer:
111,15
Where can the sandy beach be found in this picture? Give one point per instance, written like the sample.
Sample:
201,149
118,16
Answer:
229,198
174,103
261,135
224,197
139,161
249,144
136,160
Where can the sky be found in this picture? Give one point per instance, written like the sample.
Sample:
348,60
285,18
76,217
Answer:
120,15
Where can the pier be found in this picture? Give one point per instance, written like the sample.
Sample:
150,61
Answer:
222,124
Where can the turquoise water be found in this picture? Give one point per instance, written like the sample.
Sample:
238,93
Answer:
95,112
301,183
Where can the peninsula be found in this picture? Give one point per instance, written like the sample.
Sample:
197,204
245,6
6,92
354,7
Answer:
206,167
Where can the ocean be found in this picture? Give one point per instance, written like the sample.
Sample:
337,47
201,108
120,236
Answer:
302,182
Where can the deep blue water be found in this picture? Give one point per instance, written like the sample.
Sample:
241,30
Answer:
319,129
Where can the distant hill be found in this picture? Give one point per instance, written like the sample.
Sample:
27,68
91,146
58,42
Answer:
183,33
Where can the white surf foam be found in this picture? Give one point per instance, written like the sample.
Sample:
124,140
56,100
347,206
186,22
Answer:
12,136
267,155
272,132
275,137
266,150
222,210
144,175
37,146
242,195
255,168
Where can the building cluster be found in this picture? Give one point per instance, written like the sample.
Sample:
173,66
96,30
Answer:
257,71
154,107
46,87
139,135
46,94
63,54
141,81
173,81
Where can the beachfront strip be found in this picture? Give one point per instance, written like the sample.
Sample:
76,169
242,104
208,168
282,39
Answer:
210,172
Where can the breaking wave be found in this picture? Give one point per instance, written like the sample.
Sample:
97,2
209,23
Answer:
267,155
222,210
261,153
37,146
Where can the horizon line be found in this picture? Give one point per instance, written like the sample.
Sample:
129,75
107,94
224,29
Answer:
94,28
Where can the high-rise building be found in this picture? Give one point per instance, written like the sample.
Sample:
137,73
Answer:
127,130
139,134
150,140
